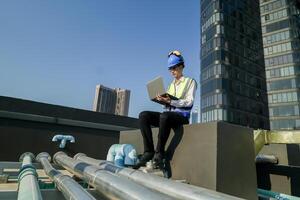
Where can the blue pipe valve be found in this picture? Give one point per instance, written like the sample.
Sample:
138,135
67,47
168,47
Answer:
63,140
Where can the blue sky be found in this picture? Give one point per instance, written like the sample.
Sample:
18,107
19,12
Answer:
58,51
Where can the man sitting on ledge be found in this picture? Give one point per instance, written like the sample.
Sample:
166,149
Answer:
176,112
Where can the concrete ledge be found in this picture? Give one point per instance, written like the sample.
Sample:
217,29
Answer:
14,108
218,156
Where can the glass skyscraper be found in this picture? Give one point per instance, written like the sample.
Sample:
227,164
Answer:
233,83
280,29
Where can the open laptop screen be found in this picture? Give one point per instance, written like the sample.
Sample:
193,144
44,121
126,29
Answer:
156,87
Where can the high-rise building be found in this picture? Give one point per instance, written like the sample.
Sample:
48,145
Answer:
105,100
281,32
233,84
113,101
122,105
194,116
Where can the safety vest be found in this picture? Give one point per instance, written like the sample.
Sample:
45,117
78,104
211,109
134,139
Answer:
180,94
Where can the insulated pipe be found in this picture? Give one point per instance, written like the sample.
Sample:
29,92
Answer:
110,185
70,188
163,185
275,195
28,179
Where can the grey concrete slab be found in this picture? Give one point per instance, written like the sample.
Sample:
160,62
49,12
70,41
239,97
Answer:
217,156
235,160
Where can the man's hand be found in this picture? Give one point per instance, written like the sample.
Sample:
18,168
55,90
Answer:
166,99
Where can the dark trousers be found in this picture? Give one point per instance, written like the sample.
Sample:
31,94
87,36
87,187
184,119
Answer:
165,121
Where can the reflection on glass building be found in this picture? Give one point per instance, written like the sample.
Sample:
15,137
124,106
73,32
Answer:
194,119
233,85
280,28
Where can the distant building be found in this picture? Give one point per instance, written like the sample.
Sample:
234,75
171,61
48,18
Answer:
194,116
122,105
281,32
105,100
113,101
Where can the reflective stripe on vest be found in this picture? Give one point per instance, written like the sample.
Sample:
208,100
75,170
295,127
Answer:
182,90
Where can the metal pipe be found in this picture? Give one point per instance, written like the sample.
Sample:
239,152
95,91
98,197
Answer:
261,158
110,185
163,185
28,179
70,188
275,195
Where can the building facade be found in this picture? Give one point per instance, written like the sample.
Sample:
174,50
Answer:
105,100
113,101
194,117
280,29
233,83
122,105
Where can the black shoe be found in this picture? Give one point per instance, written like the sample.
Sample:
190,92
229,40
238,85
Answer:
158,160
147,156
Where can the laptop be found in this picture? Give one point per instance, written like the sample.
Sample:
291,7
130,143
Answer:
156,87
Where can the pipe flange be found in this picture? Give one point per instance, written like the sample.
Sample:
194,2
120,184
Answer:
43,155
31,155
78,155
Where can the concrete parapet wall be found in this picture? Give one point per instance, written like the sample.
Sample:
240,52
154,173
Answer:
218,156
28,126
18,137
16,105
